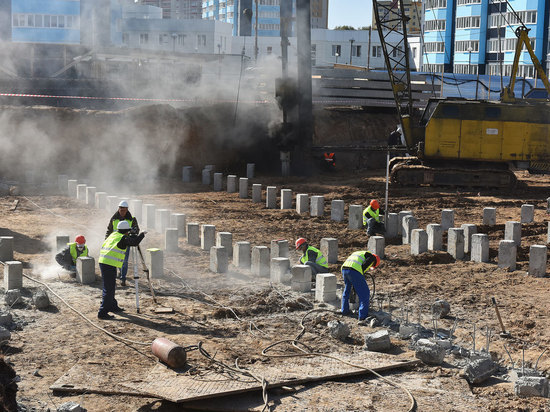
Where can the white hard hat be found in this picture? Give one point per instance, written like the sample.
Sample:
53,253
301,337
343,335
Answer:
123,225
123,203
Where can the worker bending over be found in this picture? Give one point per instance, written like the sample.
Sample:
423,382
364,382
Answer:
113,252
353,272
372,218
311,257
67,257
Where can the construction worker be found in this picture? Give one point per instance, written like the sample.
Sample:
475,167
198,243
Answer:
353,272
113,253
122,214
372,218
311,257
67,257
329,161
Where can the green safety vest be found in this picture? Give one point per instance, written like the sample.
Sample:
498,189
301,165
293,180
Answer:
73,251
356,260
116,221
110,253
320,260
373,213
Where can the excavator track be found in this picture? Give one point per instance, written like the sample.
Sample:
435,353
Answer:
407,174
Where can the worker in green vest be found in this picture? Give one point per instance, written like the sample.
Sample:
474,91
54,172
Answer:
311,257
67,257
111,257
122,214
373,218
353,272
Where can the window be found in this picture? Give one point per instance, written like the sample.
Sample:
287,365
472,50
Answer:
435,25
125,38
269,49
465,2
30,20
464,45
201,39
527,17
269,26
336,50
435,47
46,21
376,51
496,20
468,22
143,38
414,52
434,68
494,47
436,4
181,39
465,69
61,21
160,39
356,51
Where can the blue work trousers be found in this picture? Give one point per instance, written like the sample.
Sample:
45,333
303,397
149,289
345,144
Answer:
357,280
108,301
124,268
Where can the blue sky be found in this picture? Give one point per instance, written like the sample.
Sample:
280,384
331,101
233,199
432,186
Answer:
356,13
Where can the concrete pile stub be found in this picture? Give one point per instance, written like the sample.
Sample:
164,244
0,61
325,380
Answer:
241,255
325,287
62,183
355,219
41,300
401,215
187,174
512,231
338,330
378,341
317,207
218,182
171,238
85,270
257,193
392,221
435,236
429,352
225,239
81,192
101,200
337,210
507,251
179,221
528,386
243,188
455,243
271,197
286,199
60,243
250,169
208,236
489,216
71,187
90,195
419,241
329,249
13,275
212,168
136,209
112,203
149,211
527,213
302,203
376,245
206,175
162,219
280,270
193,234
6,247
479,370
260,261
155,262
469,231
409,224
301,278
447,218
537,260
279,248
218,259
231,184
480,248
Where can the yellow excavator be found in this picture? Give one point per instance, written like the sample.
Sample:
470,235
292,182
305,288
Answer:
463,142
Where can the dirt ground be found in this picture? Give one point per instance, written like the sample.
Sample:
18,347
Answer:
46,344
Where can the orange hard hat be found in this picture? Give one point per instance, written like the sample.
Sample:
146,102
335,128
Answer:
300,242
374,204
377,260
80,240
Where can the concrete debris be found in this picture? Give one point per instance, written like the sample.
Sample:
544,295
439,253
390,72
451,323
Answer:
479,370
429,352
374,323
41,300
406,331
338,330
516,374
441,308
5,335
528,386
460,351
12,296
5,319
378,341
71,407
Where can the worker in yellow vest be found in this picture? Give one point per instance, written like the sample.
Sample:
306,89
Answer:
373,218
111,257
67,257
311,257
353,272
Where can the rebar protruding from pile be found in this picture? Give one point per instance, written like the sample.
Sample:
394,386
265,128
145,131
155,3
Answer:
474,339
540,356
488,334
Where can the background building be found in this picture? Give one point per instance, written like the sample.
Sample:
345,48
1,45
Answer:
413,10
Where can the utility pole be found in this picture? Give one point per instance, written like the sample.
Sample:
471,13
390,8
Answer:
256,34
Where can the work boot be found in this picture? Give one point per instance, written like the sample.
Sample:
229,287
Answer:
118,309
123,282
105,316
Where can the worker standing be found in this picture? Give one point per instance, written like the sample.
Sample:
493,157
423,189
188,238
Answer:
112,256
372,218
122,214
67,257
353,272
311,257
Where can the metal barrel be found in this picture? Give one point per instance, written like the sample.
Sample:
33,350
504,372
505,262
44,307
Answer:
169,352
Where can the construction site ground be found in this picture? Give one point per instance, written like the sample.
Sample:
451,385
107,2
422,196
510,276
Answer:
236,315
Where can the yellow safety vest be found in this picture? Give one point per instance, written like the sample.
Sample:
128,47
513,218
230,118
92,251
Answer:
116,221
74,254
320,259
373,213
110,253
356,260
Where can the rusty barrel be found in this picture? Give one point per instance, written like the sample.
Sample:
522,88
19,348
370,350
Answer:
169,352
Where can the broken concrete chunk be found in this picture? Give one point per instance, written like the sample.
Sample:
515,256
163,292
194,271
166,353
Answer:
41,300
429,352
338,330
71,407
378,341
406,331
5,318
5,335
479,370
528,386
12,296
441,308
